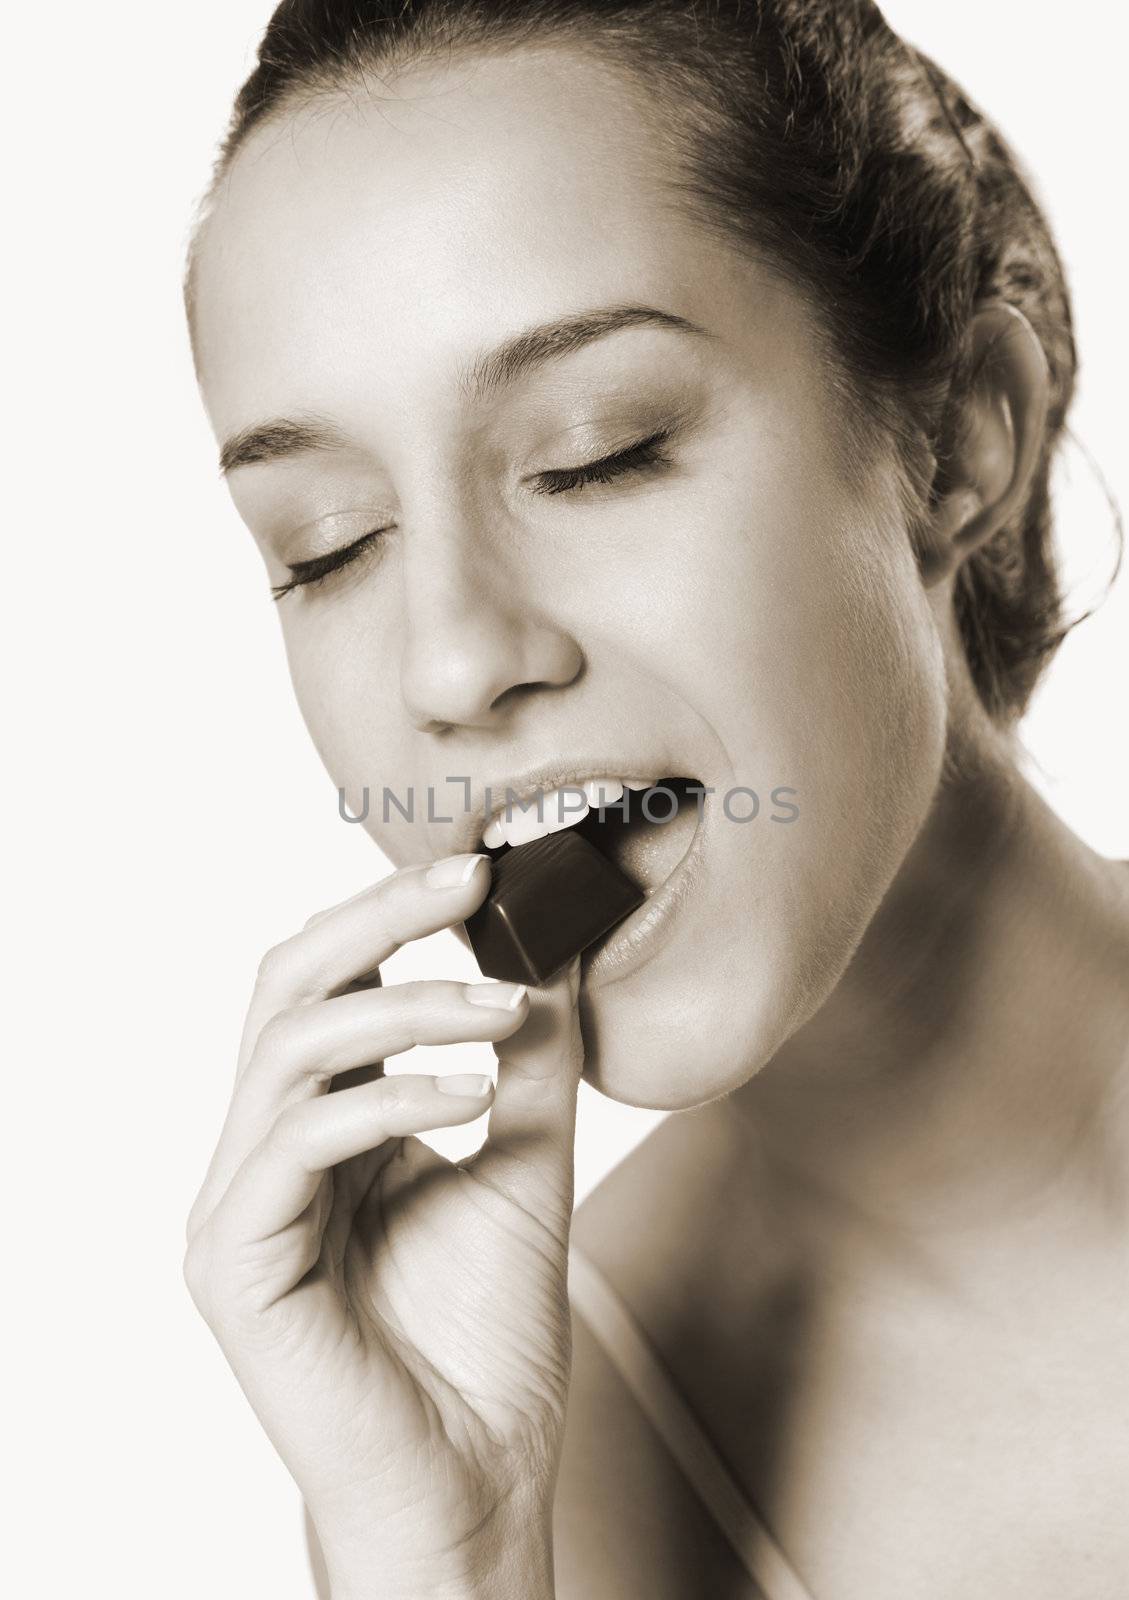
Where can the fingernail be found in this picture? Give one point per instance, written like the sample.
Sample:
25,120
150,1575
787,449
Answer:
453,872
499,996
472,1085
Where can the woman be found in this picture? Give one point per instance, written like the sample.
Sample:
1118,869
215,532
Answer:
645,392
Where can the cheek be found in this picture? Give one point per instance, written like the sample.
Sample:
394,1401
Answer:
803,632
347,691
862,705
825,674
864,727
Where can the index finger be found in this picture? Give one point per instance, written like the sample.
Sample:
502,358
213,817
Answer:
350,941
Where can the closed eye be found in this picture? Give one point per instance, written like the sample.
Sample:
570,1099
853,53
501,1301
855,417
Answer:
636,458
319,567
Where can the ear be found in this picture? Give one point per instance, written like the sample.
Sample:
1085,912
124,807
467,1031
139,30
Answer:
995,441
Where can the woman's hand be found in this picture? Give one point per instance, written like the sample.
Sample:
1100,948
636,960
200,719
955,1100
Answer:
399,1323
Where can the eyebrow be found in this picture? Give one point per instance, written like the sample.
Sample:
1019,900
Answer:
285,436
551,340
274,440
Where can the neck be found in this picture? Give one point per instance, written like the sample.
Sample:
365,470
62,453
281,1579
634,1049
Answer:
967,1077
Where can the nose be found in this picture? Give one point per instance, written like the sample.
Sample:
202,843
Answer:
473,645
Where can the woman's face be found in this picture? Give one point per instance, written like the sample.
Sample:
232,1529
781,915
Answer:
741,612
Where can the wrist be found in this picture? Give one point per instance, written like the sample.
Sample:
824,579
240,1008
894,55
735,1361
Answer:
526,1577
507,1566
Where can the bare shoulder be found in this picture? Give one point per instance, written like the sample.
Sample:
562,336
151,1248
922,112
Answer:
625,1522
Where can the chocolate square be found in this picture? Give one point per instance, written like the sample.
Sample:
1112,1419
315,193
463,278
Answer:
549,900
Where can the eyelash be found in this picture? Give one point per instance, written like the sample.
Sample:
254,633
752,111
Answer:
305,573
638,457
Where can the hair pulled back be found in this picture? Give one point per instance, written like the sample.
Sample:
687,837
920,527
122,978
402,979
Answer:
810,133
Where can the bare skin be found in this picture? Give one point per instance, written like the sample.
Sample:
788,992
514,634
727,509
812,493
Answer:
890,1275
881,1244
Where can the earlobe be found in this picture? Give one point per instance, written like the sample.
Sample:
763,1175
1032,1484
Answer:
996,439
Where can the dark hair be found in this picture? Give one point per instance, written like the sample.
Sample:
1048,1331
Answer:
812,134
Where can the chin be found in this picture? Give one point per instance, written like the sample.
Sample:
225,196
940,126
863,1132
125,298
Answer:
673,1040
744,968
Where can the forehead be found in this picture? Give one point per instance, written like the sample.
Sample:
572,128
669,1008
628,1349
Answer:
396,229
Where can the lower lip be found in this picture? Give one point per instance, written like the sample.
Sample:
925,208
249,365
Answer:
643,934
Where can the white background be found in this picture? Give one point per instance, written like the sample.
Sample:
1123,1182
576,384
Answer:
169,817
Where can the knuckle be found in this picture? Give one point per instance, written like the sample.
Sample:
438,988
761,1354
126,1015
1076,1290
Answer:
398,902
427,1001
196,1268
194,1219
289,1132
276,965
279,1031
394,1094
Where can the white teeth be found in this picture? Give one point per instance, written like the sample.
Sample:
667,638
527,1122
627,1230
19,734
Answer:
603,792
560,808
526,826
557,819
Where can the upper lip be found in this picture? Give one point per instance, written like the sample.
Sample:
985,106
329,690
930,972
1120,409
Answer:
523,786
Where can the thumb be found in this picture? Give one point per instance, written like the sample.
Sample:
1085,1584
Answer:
528,1153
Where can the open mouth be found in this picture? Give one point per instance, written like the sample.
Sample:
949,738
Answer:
650,834
645,828
649,830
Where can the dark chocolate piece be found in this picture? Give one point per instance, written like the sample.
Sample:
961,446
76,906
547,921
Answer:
549,900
